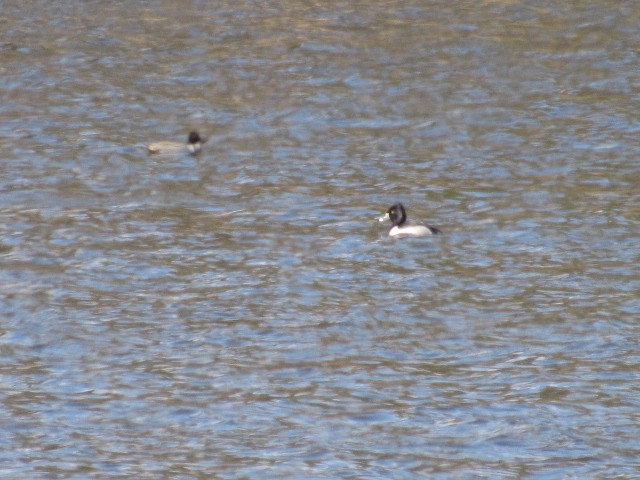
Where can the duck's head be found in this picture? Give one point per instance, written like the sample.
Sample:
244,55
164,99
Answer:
396,214
194,137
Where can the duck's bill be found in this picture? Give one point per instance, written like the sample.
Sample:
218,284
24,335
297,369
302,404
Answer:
384,218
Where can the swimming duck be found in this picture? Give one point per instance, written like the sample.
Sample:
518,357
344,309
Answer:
398,217
193,145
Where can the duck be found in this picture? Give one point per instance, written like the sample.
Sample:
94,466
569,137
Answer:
193,145
398,216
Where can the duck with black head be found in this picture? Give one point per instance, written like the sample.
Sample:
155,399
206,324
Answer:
193,146
400,227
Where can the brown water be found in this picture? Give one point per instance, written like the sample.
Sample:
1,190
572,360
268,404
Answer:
241,314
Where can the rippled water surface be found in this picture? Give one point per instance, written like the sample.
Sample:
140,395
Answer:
241,314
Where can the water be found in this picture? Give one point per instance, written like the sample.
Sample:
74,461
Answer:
241,314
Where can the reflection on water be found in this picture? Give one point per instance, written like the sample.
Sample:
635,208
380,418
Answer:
241,314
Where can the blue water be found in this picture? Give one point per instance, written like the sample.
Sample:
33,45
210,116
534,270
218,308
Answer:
242,314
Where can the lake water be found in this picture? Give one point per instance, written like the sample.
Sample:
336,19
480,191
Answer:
241,314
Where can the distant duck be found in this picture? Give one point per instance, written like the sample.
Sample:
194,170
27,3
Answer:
398,217
193,146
